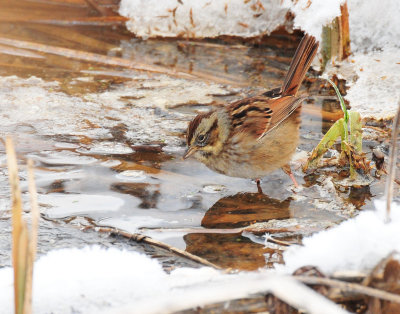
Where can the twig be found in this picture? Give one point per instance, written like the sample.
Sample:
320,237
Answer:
375,128
350,287
142,238
392,164
276,241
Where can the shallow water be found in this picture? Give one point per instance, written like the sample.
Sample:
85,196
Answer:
107,140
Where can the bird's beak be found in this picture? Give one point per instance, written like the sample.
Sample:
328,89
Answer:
189,152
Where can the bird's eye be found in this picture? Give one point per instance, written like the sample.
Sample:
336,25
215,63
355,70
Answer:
201,139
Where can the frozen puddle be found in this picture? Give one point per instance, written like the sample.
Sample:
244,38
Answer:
114,157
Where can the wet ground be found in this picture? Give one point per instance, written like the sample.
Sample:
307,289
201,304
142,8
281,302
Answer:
105,120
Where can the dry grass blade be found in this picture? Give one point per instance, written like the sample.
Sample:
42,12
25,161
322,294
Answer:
392,164
19,232
92,57
23,243
19,52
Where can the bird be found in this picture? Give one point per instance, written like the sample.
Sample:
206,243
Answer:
251,137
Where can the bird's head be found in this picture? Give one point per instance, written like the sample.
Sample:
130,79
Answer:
205,136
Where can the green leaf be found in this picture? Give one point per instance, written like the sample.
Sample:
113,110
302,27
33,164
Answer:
327,142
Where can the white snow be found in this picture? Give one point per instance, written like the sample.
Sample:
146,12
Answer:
374,24
310,16
73,279
171,18
376,92
95,280
373,79
356,244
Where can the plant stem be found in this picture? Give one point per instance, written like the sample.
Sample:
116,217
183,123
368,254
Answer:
344,109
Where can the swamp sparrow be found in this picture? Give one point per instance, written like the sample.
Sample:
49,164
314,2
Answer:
251,137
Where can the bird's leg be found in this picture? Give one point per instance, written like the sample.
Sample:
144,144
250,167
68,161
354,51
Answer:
258,181
288,171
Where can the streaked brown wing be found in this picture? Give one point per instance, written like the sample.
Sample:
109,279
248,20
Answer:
251,116
256,116
282,108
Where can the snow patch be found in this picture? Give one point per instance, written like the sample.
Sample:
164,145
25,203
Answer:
95,280
373,79
171,18
374,24
356,244
310,16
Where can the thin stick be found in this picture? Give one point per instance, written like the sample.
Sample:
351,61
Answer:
350,287
276,241
392,164
142,238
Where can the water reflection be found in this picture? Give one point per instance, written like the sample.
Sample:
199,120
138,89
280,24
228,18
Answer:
235,250
227,250
243,209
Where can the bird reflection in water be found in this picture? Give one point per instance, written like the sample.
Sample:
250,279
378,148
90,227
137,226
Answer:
233,249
